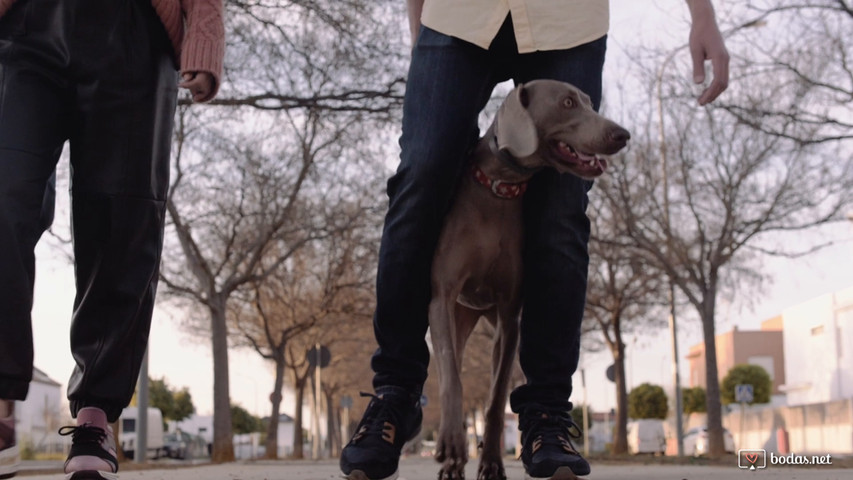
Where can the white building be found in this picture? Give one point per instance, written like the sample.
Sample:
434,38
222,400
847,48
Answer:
38,418
245,446
818,339
285,436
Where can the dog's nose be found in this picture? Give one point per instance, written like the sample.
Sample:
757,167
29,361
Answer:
620,135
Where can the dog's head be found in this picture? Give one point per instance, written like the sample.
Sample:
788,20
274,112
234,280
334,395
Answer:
551,123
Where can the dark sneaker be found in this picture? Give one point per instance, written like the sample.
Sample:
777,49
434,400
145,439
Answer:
547,451
93,447
392,418
9,455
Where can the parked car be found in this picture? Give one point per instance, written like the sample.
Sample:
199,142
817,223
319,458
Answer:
696,441
127,436
182,445
646,436
175,445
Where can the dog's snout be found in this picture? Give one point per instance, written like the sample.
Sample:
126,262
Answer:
619,135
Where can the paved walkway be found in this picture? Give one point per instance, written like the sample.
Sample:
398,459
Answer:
426,469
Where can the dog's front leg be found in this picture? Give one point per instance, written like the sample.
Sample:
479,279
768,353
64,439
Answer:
451,449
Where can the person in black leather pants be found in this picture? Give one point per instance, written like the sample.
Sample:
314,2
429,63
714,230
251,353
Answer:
102,75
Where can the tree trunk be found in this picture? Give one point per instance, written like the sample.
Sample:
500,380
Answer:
620,430
333,437
298,451
712,391
275,399
223,443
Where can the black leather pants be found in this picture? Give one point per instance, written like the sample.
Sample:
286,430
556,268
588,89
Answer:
99,74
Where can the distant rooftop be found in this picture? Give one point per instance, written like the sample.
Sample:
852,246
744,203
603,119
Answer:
41,377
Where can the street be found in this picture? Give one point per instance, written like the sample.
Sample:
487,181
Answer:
426,469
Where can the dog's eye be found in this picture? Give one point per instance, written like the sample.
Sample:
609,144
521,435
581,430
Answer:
568,102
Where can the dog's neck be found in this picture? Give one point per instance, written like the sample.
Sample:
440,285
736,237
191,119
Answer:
499,170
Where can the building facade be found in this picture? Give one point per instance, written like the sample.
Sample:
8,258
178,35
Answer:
818,342
38,418
764,348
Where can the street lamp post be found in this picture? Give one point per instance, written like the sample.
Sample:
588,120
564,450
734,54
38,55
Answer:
673,331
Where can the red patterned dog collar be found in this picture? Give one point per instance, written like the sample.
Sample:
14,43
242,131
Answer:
499,187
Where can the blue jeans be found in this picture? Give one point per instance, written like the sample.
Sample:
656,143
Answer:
449,83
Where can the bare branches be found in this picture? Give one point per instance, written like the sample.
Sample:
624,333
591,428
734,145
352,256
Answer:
386,100
775,158
805,45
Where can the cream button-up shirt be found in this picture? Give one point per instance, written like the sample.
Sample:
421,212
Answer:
538,24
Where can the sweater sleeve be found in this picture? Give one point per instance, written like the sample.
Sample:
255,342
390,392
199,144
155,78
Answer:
203,48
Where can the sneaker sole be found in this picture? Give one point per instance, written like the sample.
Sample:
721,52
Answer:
9,462
359,475
562,473
91,475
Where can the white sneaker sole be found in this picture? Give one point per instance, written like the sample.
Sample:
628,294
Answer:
91,475
9,462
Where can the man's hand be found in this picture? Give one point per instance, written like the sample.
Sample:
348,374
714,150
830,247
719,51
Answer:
200,85
706,43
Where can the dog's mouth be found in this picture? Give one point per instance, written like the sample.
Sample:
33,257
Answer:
582,164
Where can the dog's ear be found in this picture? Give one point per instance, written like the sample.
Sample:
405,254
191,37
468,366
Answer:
514,127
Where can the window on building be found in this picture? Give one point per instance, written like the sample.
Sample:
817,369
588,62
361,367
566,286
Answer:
818,330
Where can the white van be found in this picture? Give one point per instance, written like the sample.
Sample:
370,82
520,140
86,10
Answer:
646,436
128,425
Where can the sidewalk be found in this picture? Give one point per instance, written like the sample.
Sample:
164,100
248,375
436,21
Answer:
426,469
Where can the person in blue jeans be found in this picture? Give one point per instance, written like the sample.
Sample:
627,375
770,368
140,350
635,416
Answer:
462,50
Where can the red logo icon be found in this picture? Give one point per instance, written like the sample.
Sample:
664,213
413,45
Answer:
752,459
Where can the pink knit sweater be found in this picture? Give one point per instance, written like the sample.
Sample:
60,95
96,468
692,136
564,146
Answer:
196,30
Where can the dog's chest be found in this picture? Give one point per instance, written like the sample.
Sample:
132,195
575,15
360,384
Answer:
480,246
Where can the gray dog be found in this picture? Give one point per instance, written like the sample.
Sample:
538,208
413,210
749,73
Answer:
477,267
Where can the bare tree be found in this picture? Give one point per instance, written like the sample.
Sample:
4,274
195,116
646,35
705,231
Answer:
348,334
299,75
300,372
624,292
323,282
242,203
729,187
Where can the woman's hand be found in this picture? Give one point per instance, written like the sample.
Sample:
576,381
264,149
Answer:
200,85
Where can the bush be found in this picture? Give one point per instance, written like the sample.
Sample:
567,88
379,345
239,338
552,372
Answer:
744,374
647,401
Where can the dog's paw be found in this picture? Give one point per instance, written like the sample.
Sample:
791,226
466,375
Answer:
451,452
490,470
451,472
451,446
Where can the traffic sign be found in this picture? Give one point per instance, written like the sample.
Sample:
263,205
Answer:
322,356
743,393
610,373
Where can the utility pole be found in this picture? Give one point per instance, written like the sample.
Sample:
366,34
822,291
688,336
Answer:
673,331
140,454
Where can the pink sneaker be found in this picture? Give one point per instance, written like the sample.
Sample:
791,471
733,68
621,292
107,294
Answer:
93,447
9,456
